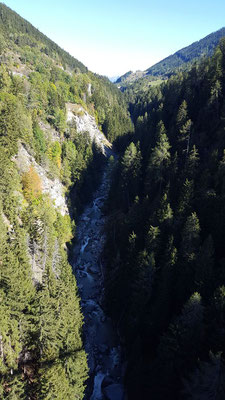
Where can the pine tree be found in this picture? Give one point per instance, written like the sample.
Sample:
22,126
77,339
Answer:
179,346
165,212
205,266
207,381
184,125
131,169
158,163
190,237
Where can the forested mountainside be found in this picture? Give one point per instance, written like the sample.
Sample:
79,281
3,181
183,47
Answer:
202,48
49,168
58,78
16,30
165,254
181,60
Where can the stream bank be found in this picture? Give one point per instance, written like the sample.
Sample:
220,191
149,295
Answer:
100,339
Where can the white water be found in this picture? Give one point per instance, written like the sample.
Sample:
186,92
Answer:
97,393
84,244
100,340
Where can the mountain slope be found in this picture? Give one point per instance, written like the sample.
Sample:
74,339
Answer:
16,30
180,60
30,54
202,48
51,107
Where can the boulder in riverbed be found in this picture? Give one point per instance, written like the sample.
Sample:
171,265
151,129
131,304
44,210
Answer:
92,270
114,391
108,380
85,219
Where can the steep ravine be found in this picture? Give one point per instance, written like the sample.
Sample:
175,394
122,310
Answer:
100,339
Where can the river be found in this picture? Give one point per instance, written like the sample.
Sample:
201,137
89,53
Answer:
100,340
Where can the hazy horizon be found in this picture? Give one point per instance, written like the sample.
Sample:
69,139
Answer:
113,38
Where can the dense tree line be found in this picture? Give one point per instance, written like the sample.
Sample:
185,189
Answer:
165,270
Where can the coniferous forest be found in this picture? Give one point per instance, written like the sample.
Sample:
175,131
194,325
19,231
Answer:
165,237
164,252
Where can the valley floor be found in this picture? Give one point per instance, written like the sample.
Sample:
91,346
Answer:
100,340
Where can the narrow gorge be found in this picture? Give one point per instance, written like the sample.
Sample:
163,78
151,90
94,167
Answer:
100,339
112,222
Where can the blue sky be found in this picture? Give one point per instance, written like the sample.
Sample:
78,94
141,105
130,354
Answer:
112,38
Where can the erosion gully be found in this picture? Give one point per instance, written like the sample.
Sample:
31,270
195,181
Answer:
100,339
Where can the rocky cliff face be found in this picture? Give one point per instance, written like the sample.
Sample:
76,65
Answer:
86,124
53,187
38,248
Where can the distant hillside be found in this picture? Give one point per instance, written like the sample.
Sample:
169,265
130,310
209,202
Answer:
181,59
128,78
196,50
125,76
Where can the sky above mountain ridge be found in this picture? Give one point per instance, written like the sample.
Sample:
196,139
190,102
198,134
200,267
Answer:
111,38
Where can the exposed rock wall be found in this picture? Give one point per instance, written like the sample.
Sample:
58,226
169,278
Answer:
53,187
86,124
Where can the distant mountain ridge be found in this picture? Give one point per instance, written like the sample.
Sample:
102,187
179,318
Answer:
196,50
130,77
113,78
181,59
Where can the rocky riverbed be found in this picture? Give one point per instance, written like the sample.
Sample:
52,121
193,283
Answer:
100,339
